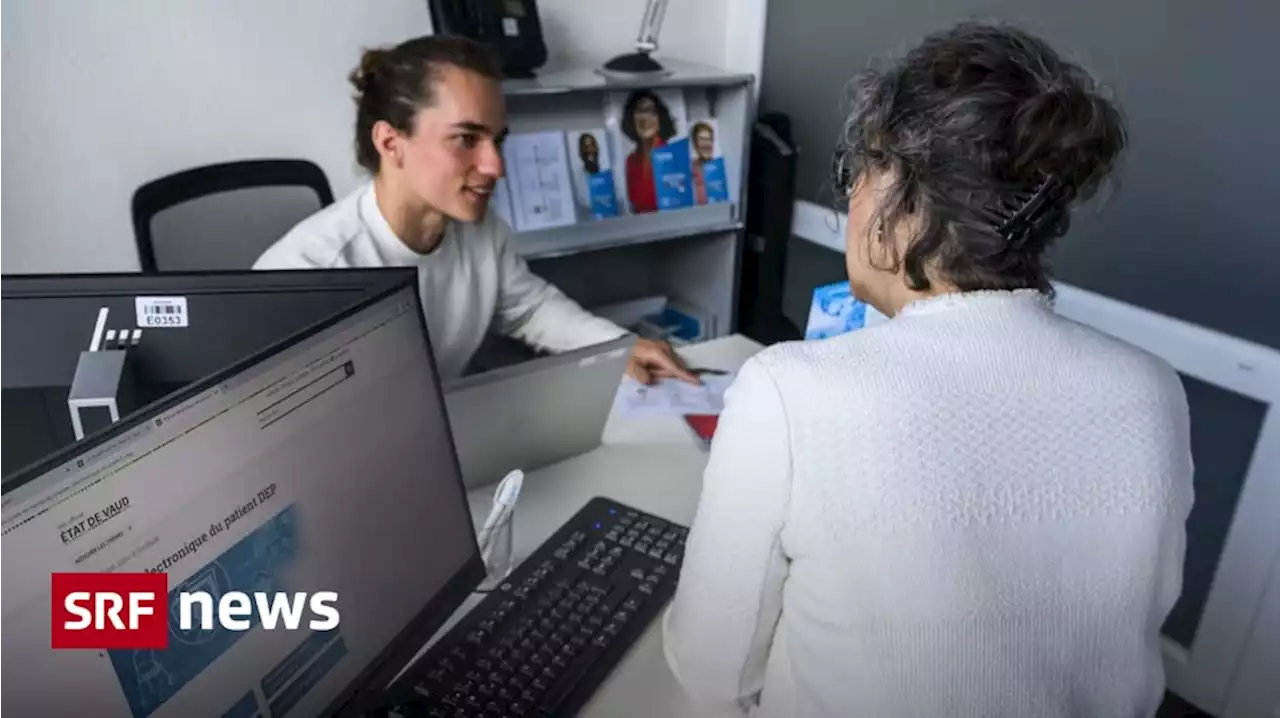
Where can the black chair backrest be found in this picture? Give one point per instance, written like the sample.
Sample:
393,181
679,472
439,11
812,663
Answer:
223,216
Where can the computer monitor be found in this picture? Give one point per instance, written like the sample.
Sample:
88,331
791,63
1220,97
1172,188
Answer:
1232,536
347,422
49,320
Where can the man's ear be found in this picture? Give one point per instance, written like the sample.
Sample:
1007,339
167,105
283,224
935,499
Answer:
389,143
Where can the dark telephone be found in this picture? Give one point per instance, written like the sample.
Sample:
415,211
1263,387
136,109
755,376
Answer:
511,27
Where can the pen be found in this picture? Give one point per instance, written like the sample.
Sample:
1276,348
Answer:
710,372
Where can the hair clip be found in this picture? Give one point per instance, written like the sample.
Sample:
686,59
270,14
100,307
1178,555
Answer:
1026,211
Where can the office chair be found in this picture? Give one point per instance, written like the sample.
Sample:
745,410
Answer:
223,216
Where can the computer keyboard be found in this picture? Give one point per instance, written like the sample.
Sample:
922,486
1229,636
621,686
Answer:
543,641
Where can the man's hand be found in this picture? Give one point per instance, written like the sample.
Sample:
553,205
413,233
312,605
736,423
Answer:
653,360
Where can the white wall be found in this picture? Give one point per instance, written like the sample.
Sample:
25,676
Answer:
100,97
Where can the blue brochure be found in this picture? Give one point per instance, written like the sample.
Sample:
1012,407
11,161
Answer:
604,202
713,178
671,175
836,311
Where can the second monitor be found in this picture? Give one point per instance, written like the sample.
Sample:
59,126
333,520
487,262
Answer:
187,326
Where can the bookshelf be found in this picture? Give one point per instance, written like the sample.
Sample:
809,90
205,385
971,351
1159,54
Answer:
690,254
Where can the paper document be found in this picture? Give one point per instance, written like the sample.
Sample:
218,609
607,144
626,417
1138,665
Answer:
672,397
538,180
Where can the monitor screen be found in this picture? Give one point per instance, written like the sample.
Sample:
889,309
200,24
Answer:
1225,428
324,465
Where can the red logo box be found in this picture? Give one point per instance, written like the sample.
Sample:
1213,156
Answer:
105,611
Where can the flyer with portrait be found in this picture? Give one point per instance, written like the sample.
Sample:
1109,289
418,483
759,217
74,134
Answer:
707,174
647,129
593,181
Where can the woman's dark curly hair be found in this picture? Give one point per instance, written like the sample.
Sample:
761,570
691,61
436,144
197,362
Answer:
666,126
990,139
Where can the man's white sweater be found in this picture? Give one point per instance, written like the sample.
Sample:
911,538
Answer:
472,279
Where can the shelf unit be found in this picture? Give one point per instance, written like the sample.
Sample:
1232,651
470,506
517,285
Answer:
689,254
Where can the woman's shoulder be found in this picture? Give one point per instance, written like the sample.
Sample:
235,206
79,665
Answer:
804,367
1115,363
833,354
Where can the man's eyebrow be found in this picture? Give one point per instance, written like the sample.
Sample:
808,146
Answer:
481,128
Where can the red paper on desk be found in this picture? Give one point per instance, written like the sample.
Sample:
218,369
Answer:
704,425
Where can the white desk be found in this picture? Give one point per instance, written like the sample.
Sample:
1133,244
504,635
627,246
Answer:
653,464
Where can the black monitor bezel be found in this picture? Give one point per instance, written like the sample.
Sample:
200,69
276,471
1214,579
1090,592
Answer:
366,690
34,286
24,287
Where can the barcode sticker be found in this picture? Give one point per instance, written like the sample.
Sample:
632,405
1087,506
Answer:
161,312
510,27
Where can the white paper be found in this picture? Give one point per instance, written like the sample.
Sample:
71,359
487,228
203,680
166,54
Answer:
672,397
538,179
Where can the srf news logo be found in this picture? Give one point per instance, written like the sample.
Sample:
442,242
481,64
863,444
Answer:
108,611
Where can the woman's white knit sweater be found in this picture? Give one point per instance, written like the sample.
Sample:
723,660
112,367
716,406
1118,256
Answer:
974,510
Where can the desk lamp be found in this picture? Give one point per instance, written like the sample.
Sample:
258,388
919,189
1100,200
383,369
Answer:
641,63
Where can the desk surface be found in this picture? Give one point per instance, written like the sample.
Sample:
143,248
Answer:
653,464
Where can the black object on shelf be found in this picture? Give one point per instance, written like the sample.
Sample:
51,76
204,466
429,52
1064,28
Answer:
771,196
511,27
634,63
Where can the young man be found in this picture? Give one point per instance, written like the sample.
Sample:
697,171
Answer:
430,122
